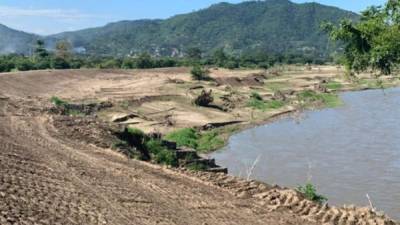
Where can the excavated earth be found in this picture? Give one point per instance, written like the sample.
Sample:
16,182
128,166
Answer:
60,170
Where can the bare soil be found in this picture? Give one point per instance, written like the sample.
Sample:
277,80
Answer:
60,170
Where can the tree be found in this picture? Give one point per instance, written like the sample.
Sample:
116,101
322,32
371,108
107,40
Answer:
63,49
144,61
373,41
220,57
40,50
63,55
194,53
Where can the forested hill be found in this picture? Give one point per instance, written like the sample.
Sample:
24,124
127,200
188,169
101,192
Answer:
273,25
13,41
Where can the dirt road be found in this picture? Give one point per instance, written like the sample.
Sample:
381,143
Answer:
45,179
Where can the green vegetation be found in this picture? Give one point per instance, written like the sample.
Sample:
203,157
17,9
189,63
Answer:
57,101
184,137
310,192
253,33
333,85
134,142
327,99
200,141
257,102
209,141
373,41
199,73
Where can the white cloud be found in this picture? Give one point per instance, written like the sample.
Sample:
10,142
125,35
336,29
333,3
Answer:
66,14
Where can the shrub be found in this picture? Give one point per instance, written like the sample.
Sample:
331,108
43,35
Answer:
60,63
57,101
166,157
24,64
199,73
154,146
310,192
256,95
184,137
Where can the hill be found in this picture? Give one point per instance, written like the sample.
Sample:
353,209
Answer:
13,41
278,26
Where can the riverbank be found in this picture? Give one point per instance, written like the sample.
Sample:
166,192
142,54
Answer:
161,101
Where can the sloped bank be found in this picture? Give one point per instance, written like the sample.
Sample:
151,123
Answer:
92,131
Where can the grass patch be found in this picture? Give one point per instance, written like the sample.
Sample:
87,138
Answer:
184,137
327,99
276,86
265,105
310,192
209,141
200,141
334,85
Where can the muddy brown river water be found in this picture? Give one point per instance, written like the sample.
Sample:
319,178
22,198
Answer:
347,152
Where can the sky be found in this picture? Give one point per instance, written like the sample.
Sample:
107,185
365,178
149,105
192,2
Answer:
53,16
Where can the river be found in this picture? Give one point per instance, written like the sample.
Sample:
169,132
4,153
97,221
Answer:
346,152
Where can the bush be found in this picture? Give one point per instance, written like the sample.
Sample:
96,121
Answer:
166,157
199,73
256,95
24,64
60,63
57,101
310,192
154,146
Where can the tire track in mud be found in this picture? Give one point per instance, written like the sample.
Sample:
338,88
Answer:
46,180
278,199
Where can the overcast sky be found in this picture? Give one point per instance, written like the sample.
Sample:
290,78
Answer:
54,16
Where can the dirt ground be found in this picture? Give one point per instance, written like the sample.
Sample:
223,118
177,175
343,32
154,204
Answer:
47,177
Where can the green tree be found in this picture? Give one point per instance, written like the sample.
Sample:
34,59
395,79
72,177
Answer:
194,53
40,50
144,61
373,41
63,55
219,57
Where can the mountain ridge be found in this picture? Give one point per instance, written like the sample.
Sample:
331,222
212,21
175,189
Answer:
278,26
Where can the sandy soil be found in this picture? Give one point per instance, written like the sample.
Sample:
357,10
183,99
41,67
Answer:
48,178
